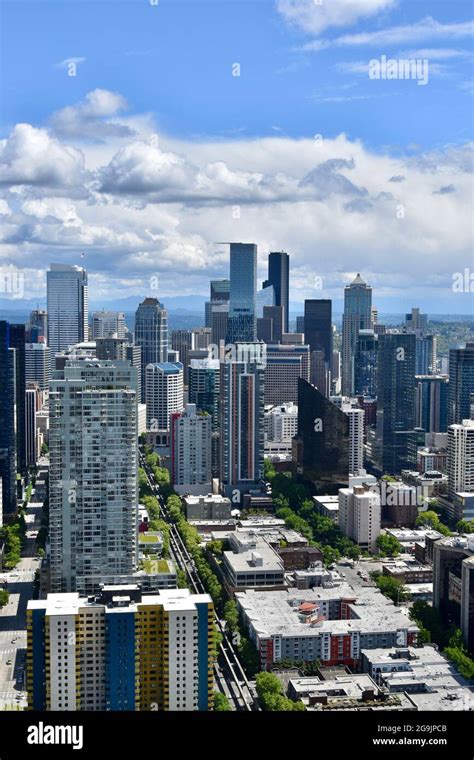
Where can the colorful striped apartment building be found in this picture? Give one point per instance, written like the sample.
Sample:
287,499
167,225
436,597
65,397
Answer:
121,650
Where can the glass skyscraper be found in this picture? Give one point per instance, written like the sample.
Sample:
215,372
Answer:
242,323
461,384
279,277
151,333
357,316
68,307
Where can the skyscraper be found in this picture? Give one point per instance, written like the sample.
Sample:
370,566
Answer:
276,314
396,402
461,383
191,451
38,364
431,403
285,364
108,324
8,444
318,335
17,341
357,316
93,492
37,326
151,334
321,448
365,364
461,458
204,392
164,394
279,277
68,307
242,426
242,323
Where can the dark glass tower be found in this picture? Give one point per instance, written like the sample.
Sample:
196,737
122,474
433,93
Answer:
8,445
365,364
242,322
279,277
318,326
17,341
396,402
432,403
357,316
461,383
321,448
151,333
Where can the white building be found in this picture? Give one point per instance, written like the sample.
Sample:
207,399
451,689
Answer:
93,490
191,451
68,307
461,458
356,415
108,324
281,422
360,515
164,394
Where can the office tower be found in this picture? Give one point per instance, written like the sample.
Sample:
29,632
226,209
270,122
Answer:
461,458
164,394
318,326
151,334
93,482
265,329
191,451
242,322
219,322
17,341
365,364
357,316
37,326
108,324
396,402
300,324
336,372
264,297
279,278
416,322
285,364
321,448
431,403
136,652
461,383
8,444
320,372
242,426
183,341
201,337
32,405
68,307
360,515
204,392
38,364
220,290
276,314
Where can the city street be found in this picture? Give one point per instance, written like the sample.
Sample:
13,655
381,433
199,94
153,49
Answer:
19,584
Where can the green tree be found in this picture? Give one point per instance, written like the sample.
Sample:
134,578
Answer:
221,703
465,526
388,545
231,616
4,597
390,587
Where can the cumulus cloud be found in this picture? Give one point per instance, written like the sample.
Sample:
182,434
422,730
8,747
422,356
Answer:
89,119
31,156
139,210
315,17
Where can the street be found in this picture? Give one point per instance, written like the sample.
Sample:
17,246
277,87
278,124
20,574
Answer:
19,584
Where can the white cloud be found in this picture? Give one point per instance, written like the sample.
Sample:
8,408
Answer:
31,156
313,17
408,34
89,119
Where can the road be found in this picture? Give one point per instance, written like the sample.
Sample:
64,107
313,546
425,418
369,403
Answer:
19,584
229,673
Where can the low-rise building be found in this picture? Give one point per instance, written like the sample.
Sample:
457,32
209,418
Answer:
331,624
327,506
430,681
210,507
346,692
408,572
252,563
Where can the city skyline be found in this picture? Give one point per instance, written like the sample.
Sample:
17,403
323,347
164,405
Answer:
144,182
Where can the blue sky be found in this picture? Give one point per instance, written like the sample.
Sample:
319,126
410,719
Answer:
142,158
